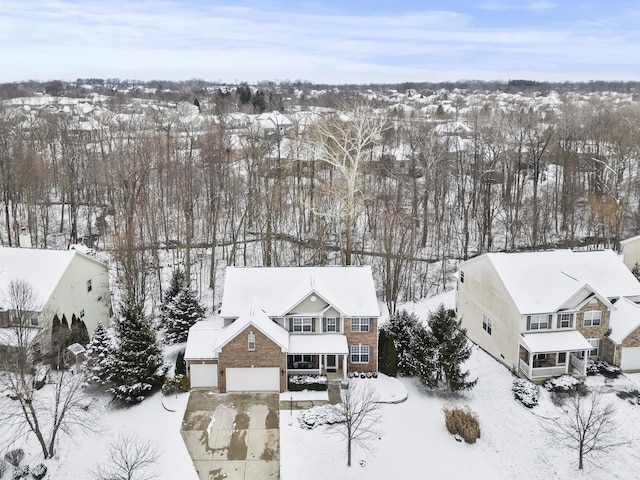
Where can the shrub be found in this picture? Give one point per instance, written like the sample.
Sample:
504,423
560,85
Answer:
603,368
14,457
563,384
181,365
21,472
463,422
317,383
3,467
39,471
177,384
525,392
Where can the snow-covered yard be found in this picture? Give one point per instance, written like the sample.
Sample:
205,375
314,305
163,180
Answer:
414,443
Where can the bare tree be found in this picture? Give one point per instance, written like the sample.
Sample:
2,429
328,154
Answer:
587,424
30,408
359,413
130,457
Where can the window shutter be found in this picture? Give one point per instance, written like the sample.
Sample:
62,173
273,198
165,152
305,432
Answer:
291,324
313,324
370,324
528,322
324,324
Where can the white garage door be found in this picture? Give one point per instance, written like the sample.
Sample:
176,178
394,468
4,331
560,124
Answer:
630,358
253,379
203,375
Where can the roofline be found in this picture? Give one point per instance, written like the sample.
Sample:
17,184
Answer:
219,348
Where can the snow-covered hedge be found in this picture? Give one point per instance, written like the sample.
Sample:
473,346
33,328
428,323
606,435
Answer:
362,374
39,471
298,383
603,368
564,383
320,415
525,392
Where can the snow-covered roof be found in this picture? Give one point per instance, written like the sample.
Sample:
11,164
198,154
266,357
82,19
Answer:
318,344
202,340
278,289
624,319
42,269
563,341
257,318
541,282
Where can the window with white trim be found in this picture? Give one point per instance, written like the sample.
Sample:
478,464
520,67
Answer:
302,358
592,318
251,341
539,322
565,320
359,353
595,343
360,324
89,287
302,324
487,324
331,324
562,358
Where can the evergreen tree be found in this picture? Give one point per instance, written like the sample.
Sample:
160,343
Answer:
56,342
181,365
178,281
180,314
636,271
100,355
387,355
438,354
402,327
137,357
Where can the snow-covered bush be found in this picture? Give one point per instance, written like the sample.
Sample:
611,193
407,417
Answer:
602,368
463,422
21,472
180,310
307,382
563,384
100,355
319,415
525,392
177,384
39,471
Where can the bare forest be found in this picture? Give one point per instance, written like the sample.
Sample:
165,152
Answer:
408,180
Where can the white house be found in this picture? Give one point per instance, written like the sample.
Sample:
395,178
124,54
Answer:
543,313
284,321
65,282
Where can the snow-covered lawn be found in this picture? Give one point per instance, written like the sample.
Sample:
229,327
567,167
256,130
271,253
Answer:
414,443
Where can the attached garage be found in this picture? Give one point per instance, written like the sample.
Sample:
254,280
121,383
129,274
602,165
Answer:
265,379
630,359
203,375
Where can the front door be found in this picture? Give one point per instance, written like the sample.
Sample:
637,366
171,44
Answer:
331,363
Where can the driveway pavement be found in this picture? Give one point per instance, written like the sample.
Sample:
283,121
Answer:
233,436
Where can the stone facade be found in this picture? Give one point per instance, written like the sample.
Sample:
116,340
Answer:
236,354
598,331
613,353
369,338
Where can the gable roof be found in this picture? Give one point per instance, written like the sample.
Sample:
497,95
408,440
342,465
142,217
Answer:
42,269
624,320
540,282
278,289
259,320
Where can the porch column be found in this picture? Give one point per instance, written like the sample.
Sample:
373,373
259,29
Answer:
531,355
322,364
344,367
584,362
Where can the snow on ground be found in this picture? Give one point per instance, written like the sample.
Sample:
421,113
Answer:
414,443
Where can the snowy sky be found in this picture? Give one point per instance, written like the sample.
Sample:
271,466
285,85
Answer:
355,41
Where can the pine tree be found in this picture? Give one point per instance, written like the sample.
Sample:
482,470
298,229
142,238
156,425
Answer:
181,365
137,357
402,327
182,311
100,355
387,355
444,350
56,342
636,271
178,281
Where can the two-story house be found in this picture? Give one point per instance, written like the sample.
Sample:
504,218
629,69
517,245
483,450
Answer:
282,321
543,313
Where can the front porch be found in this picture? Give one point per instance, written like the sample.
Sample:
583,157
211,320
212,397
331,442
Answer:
551,354
318,355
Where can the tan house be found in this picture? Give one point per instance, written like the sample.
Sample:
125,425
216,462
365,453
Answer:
543,314
63,282
282,321
630,249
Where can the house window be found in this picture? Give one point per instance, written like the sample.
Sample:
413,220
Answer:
562,358
595,343
565,320
538,322
592,318
359,353
251,340
81,313
303,324
539,360
331,324
34,319
461,276
486,324
302,358
360,324
89,286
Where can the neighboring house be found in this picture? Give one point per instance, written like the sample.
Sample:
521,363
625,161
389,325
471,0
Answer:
543,313
631,251
284,321
65,282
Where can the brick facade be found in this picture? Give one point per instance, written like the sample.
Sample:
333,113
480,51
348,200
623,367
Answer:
598,331
369,338
236,354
